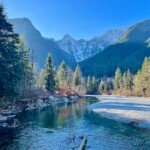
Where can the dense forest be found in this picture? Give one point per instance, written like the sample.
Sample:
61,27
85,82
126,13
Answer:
123,55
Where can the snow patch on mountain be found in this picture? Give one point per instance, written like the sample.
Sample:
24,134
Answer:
83,49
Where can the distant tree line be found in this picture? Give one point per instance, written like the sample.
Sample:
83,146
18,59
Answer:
63,79
124,83
66,80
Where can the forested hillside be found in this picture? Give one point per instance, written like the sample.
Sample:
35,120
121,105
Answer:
128,53
123,55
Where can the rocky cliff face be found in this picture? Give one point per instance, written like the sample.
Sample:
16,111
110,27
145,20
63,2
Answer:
41,46
68,49
83,49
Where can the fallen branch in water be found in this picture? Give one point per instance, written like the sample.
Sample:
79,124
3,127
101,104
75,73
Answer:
83,143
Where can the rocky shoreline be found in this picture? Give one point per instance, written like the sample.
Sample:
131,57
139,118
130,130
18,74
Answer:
13,109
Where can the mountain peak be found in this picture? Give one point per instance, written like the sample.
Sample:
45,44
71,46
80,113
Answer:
21,20
83,49
137,33
67,36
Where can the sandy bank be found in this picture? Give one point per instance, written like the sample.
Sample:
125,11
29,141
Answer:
130,110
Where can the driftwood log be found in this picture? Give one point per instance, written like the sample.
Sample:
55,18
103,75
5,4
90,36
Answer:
83,143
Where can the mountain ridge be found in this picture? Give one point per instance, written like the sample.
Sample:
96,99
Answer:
41,46
77,50
83,49
101,52
128,53
138,32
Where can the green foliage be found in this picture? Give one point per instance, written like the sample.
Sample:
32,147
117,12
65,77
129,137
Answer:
49,75
62,74
14,60
16,69
78,82
89,84
41,80
127,80
77,78
64,78
92,85
106,86
69,76
122,55
118,80
25,69
142,79
123,83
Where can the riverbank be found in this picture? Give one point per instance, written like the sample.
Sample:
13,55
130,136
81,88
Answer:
12,109
133,111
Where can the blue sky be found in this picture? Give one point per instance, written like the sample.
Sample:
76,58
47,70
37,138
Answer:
79,18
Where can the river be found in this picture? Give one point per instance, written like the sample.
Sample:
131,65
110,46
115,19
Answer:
53,129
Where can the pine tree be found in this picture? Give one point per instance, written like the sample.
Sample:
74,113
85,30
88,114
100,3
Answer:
89,85
25,67
77,78
128,82
118,81
49,79
142,79
78,85
138,89
102,87
10,73
62,74
94,85
106,86
69,76
41,80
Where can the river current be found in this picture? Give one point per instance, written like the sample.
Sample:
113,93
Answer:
62,127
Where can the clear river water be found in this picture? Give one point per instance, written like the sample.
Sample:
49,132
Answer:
61,128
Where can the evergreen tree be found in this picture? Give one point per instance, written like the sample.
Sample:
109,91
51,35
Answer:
25,67
89,84
142,79
127,80
49,80
138,89
106,86
10,73
118,81
62,74
77,78
102,87
69,76
64,78
78,85
41,80
94,85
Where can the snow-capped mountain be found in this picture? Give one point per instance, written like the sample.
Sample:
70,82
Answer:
83,49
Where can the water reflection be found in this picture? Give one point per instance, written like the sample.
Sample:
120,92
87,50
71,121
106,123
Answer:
50,128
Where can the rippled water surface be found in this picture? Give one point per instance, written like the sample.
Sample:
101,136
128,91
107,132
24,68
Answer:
54,129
